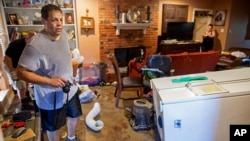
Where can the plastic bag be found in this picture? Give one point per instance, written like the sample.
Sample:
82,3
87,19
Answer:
87,96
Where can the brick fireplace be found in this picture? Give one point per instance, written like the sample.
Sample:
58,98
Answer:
124,55
128,38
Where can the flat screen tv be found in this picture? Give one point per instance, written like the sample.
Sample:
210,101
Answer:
182,31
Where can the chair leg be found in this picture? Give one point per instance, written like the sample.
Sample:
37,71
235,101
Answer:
141,92
118,94
116,90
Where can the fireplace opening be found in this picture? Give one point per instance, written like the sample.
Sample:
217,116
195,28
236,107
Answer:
124,55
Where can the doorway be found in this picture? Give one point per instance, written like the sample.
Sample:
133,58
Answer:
201,18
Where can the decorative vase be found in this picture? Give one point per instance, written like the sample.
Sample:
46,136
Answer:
148,14
60,3
117,13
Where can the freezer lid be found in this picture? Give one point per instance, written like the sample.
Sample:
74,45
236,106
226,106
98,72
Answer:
187,94
217,76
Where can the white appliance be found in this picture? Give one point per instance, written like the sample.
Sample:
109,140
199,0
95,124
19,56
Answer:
201,110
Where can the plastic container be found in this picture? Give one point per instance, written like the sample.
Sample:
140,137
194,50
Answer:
89,75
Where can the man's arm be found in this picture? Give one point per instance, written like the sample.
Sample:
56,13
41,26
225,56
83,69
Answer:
29,76
8,62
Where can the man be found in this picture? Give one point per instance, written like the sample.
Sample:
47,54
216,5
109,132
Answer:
46,63
12,55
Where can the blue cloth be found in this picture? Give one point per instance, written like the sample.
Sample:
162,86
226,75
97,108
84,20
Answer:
187,79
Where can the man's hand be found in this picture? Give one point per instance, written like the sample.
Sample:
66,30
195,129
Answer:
57,82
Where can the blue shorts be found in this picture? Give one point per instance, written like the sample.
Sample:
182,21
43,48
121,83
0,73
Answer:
53,120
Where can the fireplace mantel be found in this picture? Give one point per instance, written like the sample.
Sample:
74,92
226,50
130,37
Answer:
120,26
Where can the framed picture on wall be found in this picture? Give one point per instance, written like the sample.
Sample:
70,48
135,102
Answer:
69,18
20,21
13,18
220,17
87,22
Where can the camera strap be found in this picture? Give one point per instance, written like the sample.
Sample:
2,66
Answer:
55,116
56,113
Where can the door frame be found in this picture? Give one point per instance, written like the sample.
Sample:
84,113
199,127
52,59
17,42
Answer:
210,11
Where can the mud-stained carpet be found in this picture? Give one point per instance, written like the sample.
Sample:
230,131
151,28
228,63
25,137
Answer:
116,120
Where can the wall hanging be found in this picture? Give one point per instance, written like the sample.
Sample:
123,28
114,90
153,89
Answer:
13,18
87,23
220,17
69,18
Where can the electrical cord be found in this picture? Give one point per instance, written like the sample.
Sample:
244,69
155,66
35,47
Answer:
55,112
55,119
66,90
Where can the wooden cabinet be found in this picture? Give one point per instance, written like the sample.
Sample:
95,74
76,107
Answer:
21,18
179,48
173,13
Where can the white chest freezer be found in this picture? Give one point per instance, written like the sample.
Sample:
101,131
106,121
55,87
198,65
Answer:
201,110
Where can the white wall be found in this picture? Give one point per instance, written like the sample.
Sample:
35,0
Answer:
88,41
238,24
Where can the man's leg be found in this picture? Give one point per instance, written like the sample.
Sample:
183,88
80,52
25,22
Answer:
21,86
32,96
71,124
74,111
52,121
53,136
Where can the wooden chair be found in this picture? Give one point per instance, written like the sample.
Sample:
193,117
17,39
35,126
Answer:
126,83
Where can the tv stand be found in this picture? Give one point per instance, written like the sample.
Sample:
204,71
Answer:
179,47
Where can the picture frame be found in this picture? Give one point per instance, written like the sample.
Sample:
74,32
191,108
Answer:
68,4
87,22
20,21
220,17
13,18
69,18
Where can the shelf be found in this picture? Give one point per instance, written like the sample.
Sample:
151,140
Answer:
23,8
34,25
31,22
120,26
24,25
34,8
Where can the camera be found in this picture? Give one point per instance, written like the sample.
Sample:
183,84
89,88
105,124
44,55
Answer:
67,86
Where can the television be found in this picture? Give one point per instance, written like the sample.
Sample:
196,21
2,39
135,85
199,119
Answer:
182,31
